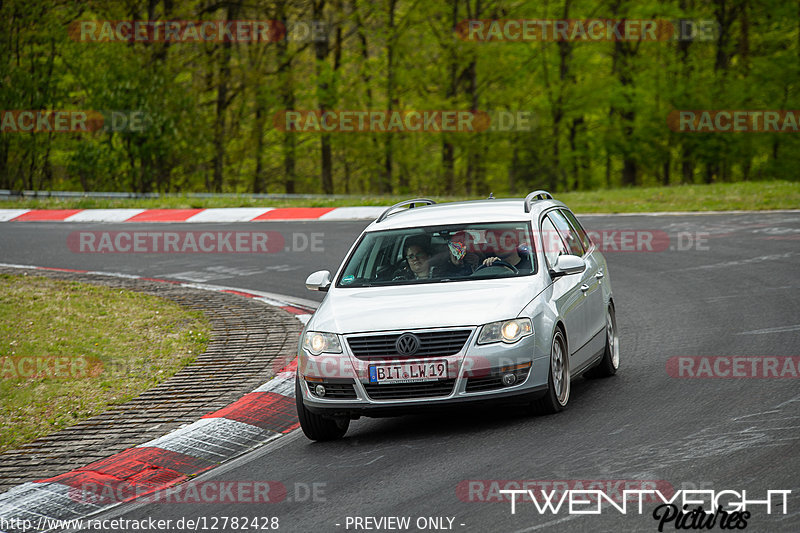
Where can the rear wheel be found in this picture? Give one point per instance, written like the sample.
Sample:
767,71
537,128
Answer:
609,364
558,379
318,427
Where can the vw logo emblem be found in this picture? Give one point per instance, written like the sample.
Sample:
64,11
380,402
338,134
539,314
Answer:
407,344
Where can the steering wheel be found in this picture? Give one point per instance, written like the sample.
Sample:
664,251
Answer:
499,263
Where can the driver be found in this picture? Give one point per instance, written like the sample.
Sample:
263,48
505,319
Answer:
508,249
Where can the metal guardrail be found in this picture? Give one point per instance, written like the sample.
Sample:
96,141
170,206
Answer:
6,193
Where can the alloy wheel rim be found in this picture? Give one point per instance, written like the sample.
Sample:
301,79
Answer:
611,337
560,371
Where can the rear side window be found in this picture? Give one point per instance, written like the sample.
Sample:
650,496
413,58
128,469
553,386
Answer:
569,235
587,242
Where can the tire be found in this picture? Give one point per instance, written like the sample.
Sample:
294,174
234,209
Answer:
609,364
558,378
317,427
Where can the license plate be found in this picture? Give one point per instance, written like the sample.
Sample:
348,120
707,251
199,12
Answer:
408,372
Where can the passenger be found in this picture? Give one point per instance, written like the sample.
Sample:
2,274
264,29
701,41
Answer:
460,261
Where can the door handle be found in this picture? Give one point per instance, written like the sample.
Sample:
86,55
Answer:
599,274
584,287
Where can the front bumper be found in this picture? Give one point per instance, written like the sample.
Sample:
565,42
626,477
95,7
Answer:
474,375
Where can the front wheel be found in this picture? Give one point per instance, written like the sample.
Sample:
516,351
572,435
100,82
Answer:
609,364
558,379
317,427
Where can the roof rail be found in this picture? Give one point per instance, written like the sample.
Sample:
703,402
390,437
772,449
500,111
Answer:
536,195
409,203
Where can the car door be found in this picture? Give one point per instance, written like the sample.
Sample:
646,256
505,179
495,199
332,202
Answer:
593,277
592,305
566,290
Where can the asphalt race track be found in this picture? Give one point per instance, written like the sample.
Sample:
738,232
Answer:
723,285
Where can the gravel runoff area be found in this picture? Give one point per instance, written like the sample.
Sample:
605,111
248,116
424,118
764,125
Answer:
250,342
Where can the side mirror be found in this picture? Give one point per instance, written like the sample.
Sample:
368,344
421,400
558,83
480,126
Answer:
566,265
319,281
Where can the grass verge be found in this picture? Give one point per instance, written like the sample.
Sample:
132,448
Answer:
761,195
69,350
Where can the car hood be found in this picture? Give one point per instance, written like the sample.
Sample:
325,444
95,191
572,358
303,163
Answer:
466,303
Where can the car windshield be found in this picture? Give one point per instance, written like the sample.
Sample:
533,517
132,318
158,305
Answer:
440,254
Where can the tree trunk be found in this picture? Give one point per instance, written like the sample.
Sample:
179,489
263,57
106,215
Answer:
475,179
725,14
286,91
512,171
627,117
367,77
687,160
687,166
629,170
258,137
448,165
388,148
711,171
577,156
5,179
324,99
564,56
476,174
448,150
222,105
624,52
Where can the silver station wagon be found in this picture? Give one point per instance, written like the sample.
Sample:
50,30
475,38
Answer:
442,304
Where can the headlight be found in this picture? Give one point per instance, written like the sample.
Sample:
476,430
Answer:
508,331
316,343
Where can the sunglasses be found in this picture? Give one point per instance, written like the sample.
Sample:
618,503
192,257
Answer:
422,255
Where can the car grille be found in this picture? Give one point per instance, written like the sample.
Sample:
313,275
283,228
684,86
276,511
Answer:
494,381
403,391
337,391
432,344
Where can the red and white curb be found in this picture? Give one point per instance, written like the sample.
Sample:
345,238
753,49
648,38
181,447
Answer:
261,416
259,214
224,214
